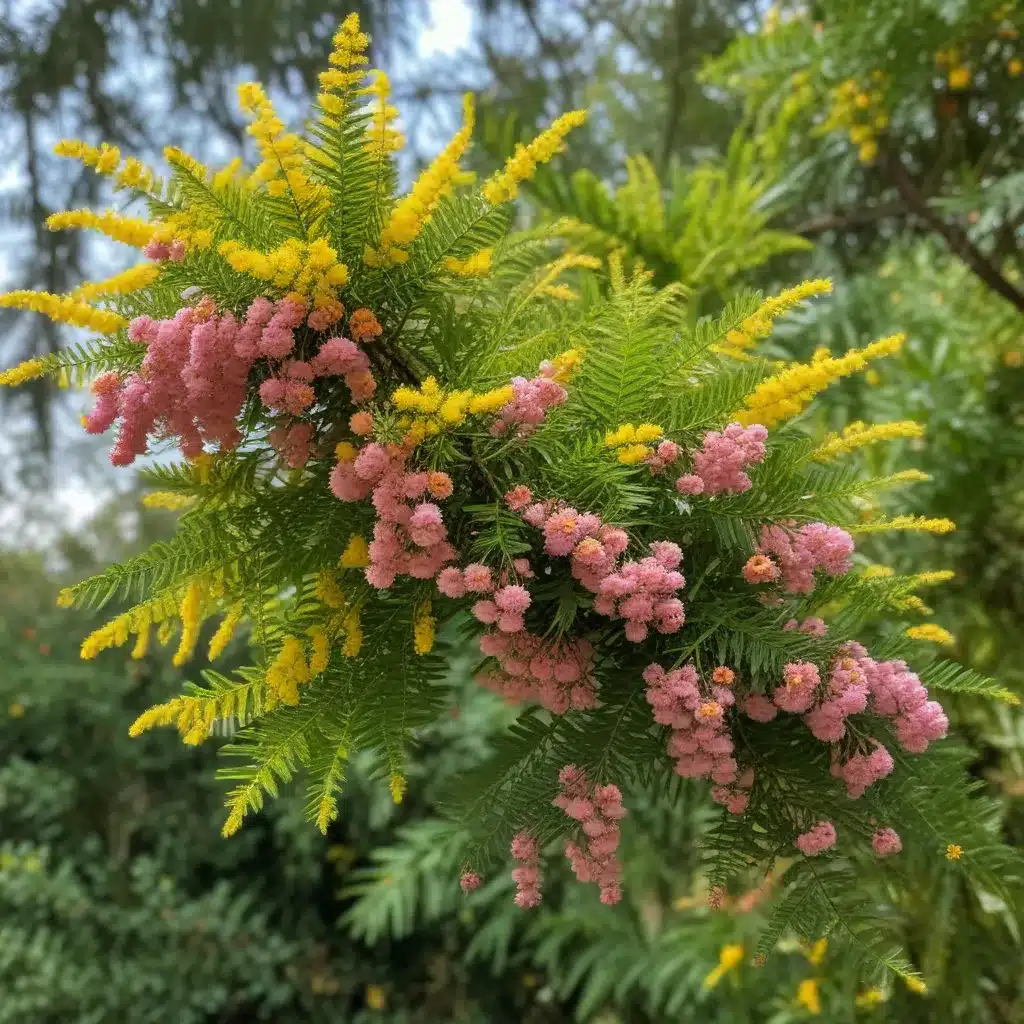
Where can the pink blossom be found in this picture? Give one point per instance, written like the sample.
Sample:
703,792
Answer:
487,612
469,881
802,551
478,578
800,681
818,839
760,569
512,599
361,423
886,842
720,462
449,583
519,498
690,484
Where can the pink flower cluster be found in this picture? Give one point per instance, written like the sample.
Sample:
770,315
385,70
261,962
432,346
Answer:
469,881
529,405
863,770
886,841
409,537
813,626
598,812
193,377
292,443
898,693
558,674
818,839
847,694
641,592
718,465
174,250
700,739
799,687
800,552
527,876
664,455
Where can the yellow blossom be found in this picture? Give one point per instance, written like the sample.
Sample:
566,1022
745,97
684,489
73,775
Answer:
787,393
625,433
729,958
954,852
381,138
522,165
932,577
103,159
132,280
423,628
874,572
356,554
130,230
808,997
288,672
648,432
491,401
141,644
328,592
66,598
959,77
397,787
348,62
30,369
477,265
225,631
376,995
345,451
411,212
759,324
816,954
631,454
567,363
917,523
916,984
1015,67
353,633
64,310
867,151
321,652
869,998
191,615
168,499
135,174
931,632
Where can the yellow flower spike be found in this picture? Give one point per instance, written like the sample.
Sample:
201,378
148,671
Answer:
225,631
933,577
816,954
129,230
874,572
729,958
566,364
491,401
328,592
625,433
132,280
141,644
410,213
165,632
648,432
288,672
353,634
808,996
30,369
381,138
356,554
321,652
179,158
759,324
66,598
915,523
789,392
191,613
916,985
931,632
858,435
869,999
64,310
423,628
397,787
168,500
522,165
477,265
631,454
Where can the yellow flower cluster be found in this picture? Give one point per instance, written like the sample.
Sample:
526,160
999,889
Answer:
381,138
353,633
307,269
808,996
545,284
412,212
225,631
440,410
129,230
816,953
328,592
858,434
356,554
423,628
172,500
958,74
631,441
287,673
759,324
134,279
869,999
63,309
397,787
522,165
191,613
729,958
917,523
192,716
789,392
116,632
477,265
105,159
320,654
348,62
932,633
30,369
861,112
954,852
283,167
566,364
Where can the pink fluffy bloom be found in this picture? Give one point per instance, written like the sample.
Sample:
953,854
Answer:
519,498
863,770
371,462
469,881
561,531
486,612
816,840
800,681
720,462
478,578
760,569
536,514
510,622
667,451
522,568
361,423
106,387
615,541
690,484
800,552
886,841
450,583
668,554
813,626
292,443
529,405
512,598
527,877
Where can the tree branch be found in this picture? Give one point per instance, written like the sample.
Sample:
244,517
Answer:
955,238
852,218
